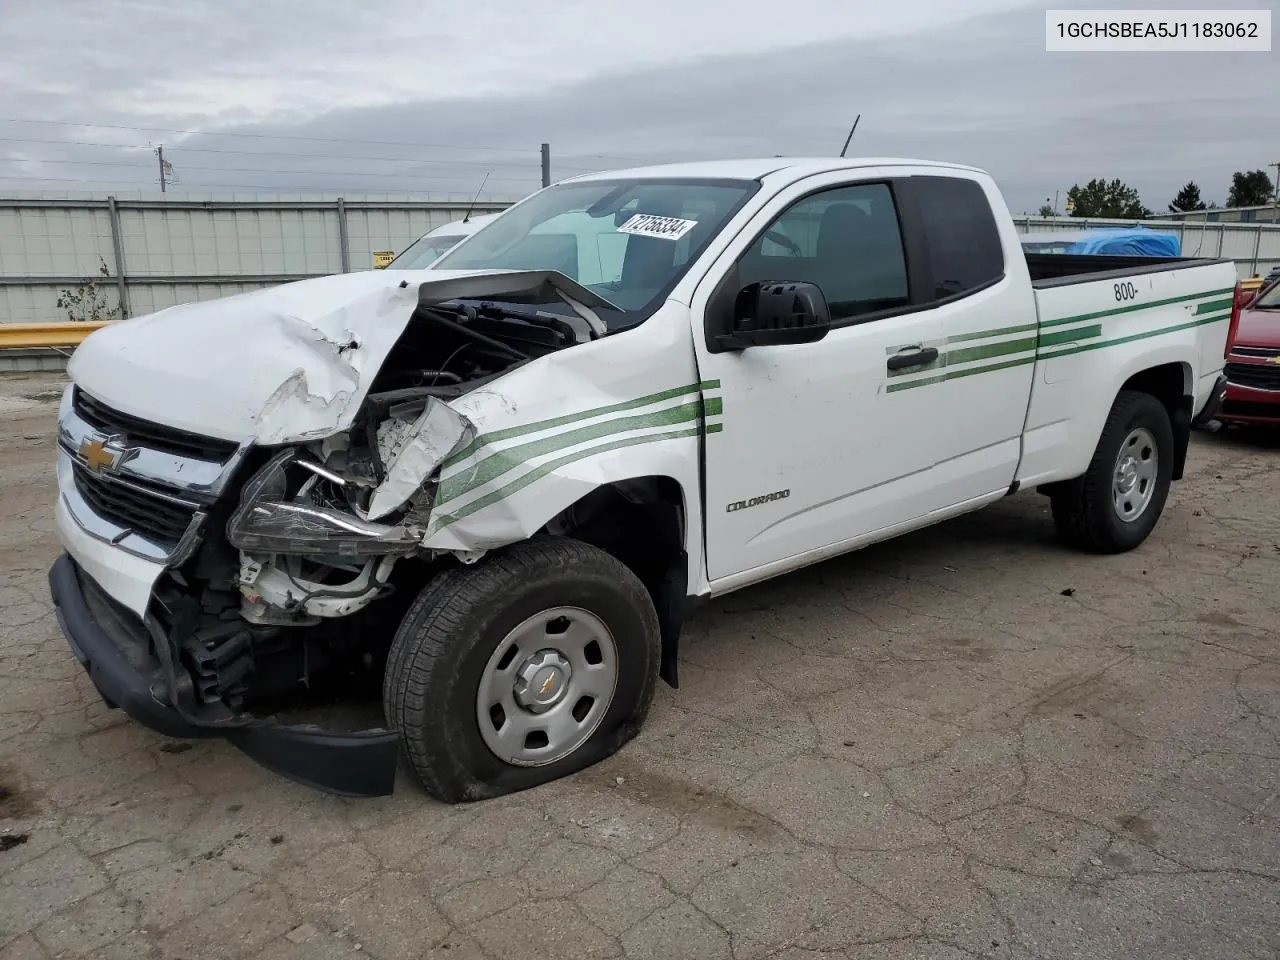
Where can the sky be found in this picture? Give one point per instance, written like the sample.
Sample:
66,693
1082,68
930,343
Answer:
424,97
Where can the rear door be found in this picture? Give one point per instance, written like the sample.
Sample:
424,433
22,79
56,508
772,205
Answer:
816,451
981,294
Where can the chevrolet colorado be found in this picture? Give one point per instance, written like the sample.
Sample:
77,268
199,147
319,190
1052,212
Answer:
495,483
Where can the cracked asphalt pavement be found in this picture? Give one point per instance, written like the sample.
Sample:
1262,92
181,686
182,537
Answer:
969,742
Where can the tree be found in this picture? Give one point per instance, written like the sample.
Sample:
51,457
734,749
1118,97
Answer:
1046,211
1252,189
1114,200
87,302
1188,198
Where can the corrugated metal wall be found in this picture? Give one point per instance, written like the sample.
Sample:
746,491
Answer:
197,247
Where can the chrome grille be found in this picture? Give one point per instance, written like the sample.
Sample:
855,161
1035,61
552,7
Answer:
147,434
1260,376
141,486
160,518
1256,351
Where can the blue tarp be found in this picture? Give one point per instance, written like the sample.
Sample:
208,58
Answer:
1128,243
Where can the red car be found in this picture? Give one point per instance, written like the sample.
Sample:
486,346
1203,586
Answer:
1253,365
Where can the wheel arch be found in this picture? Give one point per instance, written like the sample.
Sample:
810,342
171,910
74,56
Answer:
1173,385
645,522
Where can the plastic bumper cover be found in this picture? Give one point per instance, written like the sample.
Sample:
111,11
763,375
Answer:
1250,405
114,646
1213,406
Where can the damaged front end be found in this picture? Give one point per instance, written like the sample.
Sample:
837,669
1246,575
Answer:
292,575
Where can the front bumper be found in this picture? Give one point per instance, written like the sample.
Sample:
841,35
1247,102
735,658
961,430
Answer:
1250,405
115,647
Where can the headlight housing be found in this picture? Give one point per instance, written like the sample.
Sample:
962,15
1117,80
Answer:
280,512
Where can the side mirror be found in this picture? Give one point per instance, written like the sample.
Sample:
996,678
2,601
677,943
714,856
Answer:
772,314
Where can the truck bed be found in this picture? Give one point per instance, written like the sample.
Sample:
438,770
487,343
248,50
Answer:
1063,269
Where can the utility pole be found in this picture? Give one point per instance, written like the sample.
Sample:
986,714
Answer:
1275,194
546,164
160,156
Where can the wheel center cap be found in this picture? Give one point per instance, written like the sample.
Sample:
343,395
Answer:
542,681
1127,477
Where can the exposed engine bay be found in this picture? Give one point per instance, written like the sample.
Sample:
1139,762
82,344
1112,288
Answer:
279,588
320,527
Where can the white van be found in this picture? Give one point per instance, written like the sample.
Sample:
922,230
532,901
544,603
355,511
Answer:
436,243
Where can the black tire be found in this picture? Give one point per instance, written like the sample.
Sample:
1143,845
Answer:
1084,509
457,622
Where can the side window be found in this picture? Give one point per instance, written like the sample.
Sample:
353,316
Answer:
846,240
964,242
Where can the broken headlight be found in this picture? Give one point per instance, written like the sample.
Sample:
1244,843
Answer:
283,509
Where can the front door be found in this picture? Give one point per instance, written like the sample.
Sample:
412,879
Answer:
817,447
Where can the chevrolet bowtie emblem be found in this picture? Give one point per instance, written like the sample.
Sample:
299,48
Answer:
95,455
548,685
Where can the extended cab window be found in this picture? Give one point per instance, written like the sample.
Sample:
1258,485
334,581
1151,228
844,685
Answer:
845,240
963,240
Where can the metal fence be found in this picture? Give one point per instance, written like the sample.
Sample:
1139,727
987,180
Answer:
161,252
1255,247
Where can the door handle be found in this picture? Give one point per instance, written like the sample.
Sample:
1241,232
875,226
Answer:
915,358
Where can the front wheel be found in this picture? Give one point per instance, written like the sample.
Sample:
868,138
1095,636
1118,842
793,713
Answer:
1115,505
531,665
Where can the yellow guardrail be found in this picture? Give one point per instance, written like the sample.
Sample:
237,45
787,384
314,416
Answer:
18,336
1251,283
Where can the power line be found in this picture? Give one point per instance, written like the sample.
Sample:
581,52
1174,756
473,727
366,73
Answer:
322,173
265,136
283,136
97,185
270,153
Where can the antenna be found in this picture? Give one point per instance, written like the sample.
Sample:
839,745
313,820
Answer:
467,218
849,139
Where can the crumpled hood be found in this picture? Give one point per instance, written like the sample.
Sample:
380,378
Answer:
284,364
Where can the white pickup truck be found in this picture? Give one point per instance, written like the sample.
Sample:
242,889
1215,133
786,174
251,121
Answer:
491,487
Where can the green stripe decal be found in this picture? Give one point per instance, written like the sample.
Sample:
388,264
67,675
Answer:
527,428
988,351
1000,332
1081,348
538,472
1066,336
1135,306
956,374
501,461
1213,306
714,406
1070,336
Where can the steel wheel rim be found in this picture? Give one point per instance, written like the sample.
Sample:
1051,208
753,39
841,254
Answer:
547,686
1133,482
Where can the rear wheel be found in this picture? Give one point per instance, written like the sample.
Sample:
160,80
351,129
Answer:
528,666
1115,505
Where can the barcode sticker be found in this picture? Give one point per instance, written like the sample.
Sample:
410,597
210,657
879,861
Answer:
662,228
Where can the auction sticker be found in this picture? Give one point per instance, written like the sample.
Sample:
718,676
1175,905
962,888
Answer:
662,228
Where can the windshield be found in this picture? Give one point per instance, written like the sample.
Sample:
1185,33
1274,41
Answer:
422,253
630,241
1269,300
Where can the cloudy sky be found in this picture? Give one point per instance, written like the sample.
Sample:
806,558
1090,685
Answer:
422,96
